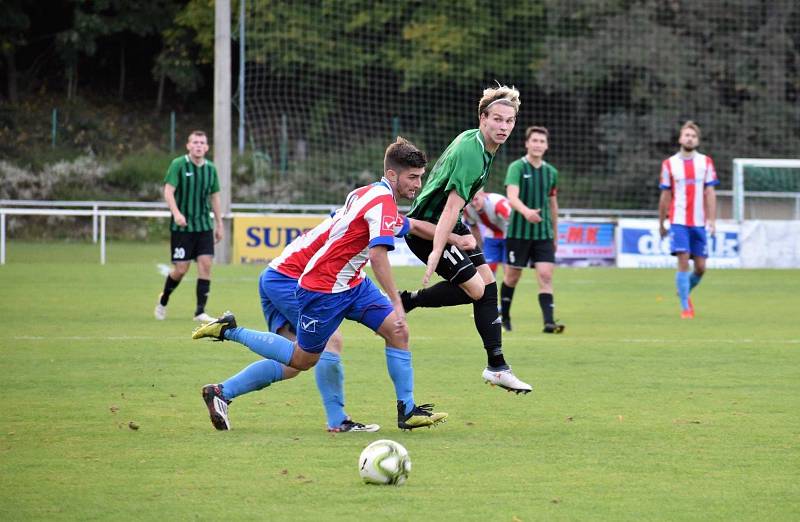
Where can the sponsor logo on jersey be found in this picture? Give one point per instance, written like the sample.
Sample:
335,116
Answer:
389,223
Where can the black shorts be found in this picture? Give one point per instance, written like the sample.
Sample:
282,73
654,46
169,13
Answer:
527,252
186,246
456,265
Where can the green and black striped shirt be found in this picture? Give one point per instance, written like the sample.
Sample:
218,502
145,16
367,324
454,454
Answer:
463,167
193,186
536,185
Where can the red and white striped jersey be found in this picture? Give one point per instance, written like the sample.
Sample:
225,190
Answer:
687,178
296,255
368,218
493,217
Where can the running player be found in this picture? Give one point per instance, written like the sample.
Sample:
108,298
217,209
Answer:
461,170
190,185
333,287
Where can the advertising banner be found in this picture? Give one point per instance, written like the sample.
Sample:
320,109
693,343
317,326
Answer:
585,243
259,239
639,245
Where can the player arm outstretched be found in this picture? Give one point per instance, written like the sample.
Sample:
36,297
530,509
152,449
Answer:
379,260
427,230
530,214
447,221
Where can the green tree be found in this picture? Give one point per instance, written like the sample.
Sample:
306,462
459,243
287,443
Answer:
13,25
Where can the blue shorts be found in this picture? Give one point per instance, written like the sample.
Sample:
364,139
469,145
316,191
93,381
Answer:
321,314
684,239
278,301
494,250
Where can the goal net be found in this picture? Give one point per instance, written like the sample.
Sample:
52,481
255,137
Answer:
329,83
766,188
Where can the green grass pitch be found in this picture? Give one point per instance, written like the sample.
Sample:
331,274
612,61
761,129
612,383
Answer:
635,415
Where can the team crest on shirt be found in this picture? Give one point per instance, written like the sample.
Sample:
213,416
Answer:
308,324
389,223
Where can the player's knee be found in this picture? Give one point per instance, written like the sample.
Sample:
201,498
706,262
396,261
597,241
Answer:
302,360
290,373
511,277
475,292
303,364
398,340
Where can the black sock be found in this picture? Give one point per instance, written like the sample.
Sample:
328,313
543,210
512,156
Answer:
443,293
203,287
547,306
169,285
488,326
506,295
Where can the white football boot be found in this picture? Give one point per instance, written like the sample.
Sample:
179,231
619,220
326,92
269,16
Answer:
506,380
204,318
160,312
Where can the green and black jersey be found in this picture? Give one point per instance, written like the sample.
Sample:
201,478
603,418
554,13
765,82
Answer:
193,186
536,185
463,167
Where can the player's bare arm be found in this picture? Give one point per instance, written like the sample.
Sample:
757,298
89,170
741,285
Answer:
427,230
530,214
216,205
554,219
710,200
382,269
169,197
664,201
447,221
476,233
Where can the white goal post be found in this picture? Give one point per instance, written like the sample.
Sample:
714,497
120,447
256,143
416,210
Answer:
739,165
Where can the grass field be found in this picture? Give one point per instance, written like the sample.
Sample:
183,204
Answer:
635,414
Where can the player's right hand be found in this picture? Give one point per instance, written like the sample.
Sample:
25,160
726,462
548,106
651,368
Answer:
533,215
433,261
180,220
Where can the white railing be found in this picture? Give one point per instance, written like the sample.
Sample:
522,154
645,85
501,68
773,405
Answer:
97,214
96,207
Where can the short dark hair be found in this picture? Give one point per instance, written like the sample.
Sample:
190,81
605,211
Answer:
402,155
537,129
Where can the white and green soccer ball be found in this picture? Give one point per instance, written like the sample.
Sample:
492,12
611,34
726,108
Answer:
384,462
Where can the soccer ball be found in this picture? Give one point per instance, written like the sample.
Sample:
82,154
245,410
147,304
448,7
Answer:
384,462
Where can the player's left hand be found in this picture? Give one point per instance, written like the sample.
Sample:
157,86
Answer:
467,242
711,227
433,261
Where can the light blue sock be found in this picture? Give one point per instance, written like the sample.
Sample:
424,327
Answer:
682,283
402,373
266,344
258,375
330,382
694,280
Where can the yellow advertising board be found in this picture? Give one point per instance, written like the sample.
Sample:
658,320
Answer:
260,239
